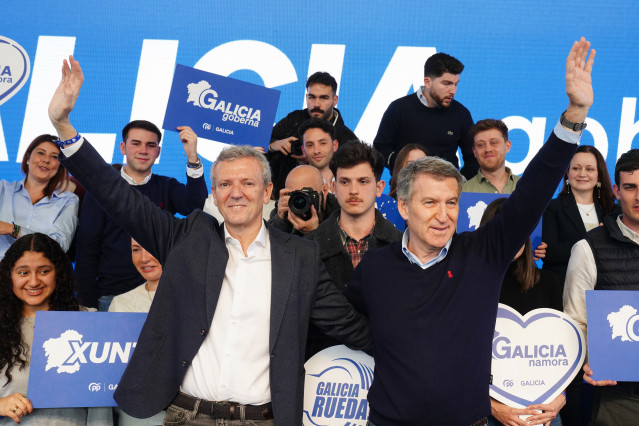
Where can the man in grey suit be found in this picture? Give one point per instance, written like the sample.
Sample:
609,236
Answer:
224,340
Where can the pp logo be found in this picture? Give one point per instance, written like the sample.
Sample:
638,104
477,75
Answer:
337,383
509,383
95,387
14,68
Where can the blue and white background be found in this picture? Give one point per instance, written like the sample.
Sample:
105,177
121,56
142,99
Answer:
514,52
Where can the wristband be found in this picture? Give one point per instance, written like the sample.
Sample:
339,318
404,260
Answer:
576,127
62,144
565,397
16,231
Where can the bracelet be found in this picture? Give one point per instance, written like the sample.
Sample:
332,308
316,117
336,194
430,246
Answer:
16,231
67,142
565,397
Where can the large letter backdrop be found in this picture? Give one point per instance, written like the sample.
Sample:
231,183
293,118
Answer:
514,57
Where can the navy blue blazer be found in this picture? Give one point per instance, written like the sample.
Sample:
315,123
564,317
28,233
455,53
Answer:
194,256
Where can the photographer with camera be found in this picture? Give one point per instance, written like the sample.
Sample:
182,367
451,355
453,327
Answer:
285,149
303,203
347,234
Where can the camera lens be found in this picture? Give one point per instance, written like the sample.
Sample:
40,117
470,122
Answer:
300,204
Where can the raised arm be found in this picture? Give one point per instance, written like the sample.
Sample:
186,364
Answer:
579,81
64,98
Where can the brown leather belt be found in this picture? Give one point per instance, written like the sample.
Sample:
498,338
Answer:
224,409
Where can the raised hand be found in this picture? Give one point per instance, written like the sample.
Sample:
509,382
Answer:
65,97
578,80
189,139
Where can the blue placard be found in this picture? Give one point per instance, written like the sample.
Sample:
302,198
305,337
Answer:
220,108
471,209
84,353
613,334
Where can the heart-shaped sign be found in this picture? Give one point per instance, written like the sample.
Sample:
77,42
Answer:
535,357
14,68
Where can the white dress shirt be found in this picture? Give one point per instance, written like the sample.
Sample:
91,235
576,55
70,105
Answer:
233,361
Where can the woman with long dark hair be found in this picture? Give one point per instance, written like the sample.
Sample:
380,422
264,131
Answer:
42,201
35,275
525,288
584,200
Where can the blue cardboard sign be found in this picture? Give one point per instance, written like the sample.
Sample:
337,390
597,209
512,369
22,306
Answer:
84,353
471,208
220,108
613,334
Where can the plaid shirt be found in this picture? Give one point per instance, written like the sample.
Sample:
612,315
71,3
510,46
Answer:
355,249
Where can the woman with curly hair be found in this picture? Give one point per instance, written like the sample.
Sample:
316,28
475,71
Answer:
35,275
42,201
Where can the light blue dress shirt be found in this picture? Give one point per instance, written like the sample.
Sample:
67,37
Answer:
56,216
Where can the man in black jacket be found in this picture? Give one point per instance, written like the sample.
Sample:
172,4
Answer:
321,99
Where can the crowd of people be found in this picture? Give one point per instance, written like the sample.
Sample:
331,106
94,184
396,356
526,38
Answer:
290,255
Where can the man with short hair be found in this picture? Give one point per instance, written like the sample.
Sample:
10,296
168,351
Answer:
430,117
608,259
301,177
321,99
101,270
239,295
432,297
357,227
490,146
319,143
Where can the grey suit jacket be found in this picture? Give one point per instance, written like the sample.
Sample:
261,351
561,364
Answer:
194,256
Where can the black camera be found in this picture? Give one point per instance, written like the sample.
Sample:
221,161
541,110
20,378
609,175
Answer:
296,147
300,202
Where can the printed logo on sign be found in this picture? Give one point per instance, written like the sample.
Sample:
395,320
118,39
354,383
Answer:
623,324
14,68
336,387
67,352
203,96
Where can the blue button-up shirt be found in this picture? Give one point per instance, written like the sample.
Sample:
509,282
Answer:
56,216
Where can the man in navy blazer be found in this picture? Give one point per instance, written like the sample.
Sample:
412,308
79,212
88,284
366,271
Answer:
231,314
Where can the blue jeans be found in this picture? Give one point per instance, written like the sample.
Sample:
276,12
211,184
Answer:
104,302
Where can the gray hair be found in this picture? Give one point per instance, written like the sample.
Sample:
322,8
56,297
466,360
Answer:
433,166
235,152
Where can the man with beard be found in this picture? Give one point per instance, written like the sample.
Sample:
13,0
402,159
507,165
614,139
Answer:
285,149
430,117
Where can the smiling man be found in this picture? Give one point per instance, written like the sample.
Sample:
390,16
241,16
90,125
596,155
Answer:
238,295
490,146
430,117
102,271
432,297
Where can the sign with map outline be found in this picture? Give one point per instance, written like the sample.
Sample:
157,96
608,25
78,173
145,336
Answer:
471,208
84,353
220,108
613,334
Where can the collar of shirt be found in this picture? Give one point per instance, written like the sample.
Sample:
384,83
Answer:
414,259
421,97
259,244
20,188
483,178
344,236
627,232
131,181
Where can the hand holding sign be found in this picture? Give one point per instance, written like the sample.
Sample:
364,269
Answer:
189,139
15,406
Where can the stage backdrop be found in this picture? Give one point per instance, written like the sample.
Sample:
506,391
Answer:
514,52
